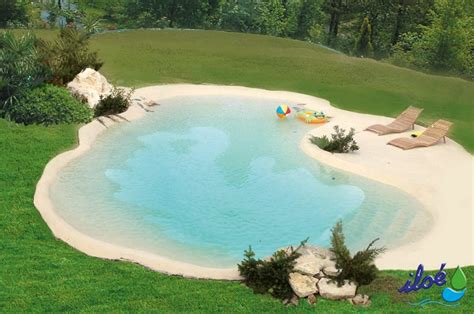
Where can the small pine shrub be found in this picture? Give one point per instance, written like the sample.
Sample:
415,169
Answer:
363,46
117,102
339,142
47,104
360,268
270,276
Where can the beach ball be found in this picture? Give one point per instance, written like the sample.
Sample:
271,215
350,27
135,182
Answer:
282,111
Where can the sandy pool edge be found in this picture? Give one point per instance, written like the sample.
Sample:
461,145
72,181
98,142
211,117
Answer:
394,259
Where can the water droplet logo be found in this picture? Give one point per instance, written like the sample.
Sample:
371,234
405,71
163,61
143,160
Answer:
458,287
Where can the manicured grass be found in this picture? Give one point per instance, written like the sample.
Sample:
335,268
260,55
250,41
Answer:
147,57
139,58
39,273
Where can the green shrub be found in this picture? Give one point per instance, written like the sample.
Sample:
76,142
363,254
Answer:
21,67
68,55
360,268
339,142
48,104
270,276
117,102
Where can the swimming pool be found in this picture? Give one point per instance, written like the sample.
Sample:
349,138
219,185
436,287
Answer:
202,178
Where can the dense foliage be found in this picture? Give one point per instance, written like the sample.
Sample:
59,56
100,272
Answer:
27,63
433,35
117,102
21,68
47,104
359,268
68,55
340,142
270,275
13,13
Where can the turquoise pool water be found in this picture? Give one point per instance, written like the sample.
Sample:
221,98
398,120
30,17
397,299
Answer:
202,178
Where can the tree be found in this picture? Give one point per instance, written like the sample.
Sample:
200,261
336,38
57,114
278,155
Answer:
335,9
180,13
310,14
408,15
239,15
271,17
68,55
444,44
12,11
363,46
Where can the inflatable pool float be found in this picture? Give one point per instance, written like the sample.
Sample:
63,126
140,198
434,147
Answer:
312,117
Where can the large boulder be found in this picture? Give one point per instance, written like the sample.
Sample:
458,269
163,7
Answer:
317,251
308,264
329,289
315,261
303,285
91,85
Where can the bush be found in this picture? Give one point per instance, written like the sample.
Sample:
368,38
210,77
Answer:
21,67
68,55
117,102
339,142
270,276
48,104
360,268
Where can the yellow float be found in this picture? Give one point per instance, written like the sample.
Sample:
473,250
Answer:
312,117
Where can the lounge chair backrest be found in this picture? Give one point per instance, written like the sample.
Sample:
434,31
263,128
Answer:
410,114
435,132
406,119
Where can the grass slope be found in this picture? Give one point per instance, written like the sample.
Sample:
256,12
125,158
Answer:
39,273
140,58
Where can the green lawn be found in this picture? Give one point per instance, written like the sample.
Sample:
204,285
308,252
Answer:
40,273
142,58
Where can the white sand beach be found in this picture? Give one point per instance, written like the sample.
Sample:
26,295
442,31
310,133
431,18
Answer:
440,177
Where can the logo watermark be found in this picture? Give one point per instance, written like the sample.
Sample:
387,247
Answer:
454,292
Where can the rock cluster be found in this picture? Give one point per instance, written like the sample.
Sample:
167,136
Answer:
90,85
311,277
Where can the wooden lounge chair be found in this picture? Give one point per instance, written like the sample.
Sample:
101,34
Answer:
429,137
402,123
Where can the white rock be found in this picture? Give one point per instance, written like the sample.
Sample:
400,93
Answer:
91,85
317,251
330,290
312,299
331,271
360,299
303,285
329,262
308,264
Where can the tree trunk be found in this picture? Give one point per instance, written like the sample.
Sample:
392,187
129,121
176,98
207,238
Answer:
334,21
173,13
398,23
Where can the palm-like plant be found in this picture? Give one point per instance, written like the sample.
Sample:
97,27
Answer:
21,67
68,55
91,24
